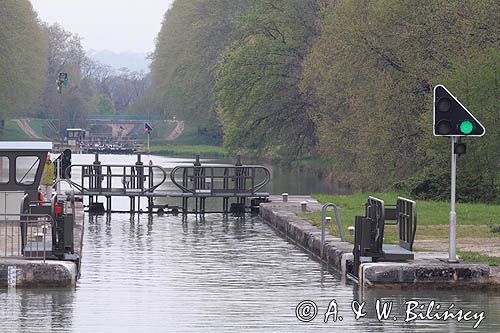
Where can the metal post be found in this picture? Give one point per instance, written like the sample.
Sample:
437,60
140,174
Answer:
323,224
453,215
58,175
148,141
60,115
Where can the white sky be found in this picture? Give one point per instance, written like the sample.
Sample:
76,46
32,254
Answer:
116,25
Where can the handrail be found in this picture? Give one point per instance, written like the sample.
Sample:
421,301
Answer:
62,180
99,176
239,175
403,233
376,208
323,224
24,219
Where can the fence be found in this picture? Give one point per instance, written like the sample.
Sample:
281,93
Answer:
25,235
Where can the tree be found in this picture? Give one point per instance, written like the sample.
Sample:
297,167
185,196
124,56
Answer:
105,105
127,87
370,77
474,80
22,58
66,54
260,103
193,35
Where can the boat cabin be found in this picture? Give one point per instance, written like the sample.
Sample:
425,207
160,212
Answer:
21,168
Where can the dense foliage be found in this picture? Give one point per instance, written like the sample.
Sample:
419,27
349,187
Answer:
371,74
22,58
260,103
193,35
349,82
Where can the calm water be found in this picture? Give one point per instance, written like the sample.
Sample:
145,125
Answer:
216,275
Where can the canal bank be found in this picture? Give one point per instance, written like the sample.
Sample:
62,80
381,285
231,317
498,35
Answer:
427,270
25,273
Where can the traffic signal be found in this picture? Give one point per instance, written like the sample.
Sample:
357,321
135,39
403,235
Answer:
451,118
147,128
62,80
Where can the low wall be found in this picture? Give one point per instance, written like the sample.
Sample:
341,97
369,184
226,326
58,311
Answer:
428,270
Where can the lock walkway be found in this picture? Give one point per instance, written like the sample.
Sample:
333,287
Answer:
239,186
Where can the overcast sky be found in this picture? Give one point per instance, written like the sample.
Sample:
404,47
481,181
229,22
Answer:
117,25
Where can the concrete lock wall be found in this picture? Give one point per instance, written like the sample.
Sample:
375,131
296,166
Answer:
427,270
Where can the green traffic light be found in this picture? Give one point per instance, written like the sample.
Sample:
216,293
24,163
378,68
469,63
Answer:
466,127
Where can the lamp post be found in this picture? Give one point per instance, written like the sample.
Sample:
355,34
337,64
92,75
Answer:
61,81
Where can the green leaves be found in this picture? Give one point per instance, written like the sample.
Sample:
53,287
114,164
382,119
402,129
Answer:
193,35
259,101
350,80
22,58
370,75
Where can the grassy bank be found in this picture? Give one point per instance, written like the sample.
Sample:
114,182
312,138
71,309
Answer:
475,222
13,132
188,150
37,125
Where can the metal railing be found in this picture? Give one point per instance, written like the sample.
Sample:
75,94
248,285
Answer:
98,179
221,179
375,215
407,222
25,235
323,224
369,231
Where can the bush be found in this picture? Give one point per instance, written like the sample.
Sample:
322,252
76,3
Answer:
471,187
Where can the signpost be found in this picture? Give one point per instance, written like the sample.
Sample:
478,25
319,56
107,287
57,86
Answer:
148,129
453,119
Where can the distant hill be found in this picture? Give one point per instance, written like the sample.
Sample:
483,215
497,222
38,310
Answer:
134,61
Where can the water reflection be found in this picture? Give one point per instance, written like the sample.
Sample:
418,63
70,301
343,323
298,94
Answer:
32,310
164,274
218,274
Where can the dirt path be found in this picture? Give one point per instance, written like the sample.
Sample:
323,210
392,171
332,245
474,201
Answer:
25,126
488,246
179,128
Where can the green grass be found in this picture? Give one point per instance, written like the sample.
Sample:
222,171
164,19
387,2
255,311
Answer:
188,150
190,136
13,132
477,257
37,126
473,220
428,212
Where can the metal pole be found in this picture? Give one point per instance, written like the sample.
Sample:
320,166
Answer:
148,141
453,215
58,177
60,115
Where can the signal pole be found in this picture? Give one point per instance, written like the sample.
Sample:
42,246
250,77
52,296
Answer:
452,253
61,81
60,115
451,118
148,129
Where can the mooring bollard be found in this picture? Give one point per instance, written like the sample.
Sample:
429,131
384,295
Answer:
351,230
303,206
285,197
